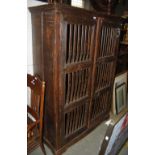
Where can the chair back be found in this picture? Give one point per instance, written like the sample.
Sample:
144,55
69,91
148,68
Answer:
37,88
35,113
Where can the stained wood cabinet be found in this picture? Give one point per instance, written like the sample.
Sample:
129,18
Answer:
75,53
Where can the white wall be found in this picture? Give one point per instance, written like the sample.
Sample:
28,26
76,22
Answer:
29,35
29,42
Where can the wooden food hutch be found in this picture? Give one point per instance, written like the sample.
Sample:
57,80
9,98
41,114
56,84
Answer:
75,53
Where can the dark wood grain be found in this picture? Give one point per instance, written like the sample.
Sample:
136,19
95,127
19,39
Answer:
75,53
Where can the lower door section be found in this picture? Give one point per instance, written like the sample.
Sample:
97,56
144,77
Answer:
75,120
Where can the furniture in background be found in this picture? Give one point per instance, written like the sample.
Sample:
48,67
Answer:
120,93
116,134
106,6
75,53
122,62
120,89
35,113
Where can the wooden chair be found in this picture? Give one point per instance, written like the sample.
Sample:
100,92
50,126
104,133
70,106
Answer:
35,113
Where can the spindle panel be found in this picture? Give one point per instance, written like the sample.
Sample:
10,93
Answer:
100,103
75,119
76,85
107,40
104,75
79,43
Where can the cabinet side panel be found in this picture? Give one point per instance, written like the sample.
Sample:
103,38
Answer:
43,47
48,48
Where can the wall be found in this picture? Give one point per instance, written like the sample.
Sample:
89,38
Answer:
29,35
29,42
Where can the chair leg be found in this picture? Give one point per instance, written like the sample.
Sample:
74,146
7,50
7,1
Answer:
43,148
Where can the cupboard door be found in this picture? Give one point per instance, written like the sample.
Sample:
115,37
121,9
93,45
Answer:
104,70
77,47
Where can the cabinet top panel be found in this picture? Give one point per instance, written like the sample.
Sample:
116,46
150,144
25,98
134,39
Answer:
70,10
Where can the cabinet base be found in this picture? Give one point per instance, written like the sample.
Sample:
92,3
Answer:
73,141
